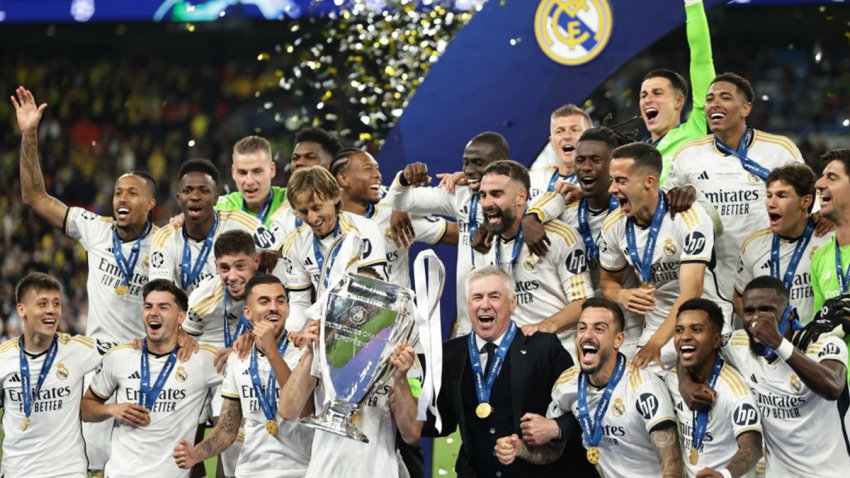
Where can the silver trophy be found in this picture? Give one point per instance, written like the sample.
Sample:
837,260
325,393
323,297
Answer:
363,319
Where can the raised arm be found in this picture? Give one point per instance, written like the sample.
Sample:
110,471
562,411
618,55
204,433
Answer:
33,192
296,392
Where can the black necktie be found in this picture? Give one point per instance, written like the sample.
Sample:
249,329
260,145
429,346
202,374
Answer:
490,350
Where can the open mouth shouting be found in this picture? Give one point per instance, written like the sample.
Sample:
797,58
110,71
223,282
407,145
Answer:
716,117
775,220
194,212
651,114
687,352
825,198
588,352
122,213
154,323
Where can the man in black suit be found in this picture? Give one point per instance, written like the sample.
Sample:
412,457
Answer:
493,377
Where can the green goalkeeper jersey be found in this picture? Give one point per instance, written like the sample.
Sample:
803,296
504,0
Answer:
825,283
702,73
234,201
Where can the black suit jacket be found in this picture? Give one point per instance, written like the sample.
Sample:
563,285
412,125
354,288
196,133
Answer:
536,363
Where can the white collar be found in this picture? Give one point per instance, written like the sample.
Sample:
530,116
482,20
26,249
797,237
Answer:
481,342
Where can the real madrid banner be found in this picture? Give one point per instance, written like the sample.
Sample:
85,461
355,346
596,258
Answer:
572,32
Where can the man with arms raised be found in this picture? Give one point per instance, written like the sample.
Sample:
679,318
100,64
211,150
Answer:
41,381
566,125
627,419
273,447
462,204
158,400
709,434
785,249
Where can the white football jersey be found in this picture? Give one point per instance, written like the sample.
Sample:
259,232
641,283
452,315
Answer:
543,180
545,285
206,319
737,195
755,261
167,250
112,317
146,451
54,425
803,432
428,229
301,266
639,404
437,201
264,455
733,413
689,238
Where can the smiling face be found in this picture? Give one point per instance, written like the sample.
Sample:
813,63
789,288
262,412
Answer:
476,156
696,338
235,270
660,105
834,192
726,108
490,306
197,197
267,302
161,316
502,202
593,162
598,338
318,212
362,178
131,202
564,132
761,304
253,173
309,153
785,208
40,311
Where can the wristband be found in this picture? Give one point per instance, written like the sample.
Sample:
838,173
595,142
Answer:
785,350
726,473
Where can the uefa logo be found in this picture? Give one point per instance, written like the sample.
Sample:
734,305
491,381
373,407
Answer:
572,32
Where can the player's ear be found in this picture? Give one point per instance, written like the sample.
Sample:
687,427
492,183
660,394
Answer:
619,339
746,108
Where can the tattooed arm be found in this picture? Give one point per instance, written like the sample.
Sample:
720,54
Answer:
749,452
33,192
669,454
222,436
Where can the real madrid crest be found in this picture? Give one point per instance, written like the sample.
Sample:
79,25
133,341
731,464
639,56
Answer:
796,385
572,32
669,248
753,178
180,374
388,235
529,262
618,407
61,371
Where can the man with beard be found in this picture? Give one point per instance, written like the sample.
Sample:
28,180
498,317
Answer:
549,290
117,249
462,204
630,407
802,394
566,125
785,249
251,388
709,442
730,168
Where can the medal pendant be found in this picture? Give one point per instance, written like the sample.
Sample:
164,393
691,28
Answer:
25,424
271,427
483,410
355,419
644,285
593,455
694,458
122,289
147,420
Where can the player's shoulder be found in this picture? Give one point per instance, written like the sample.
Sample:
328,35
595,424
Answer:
827,347
238,218
163,234
358,224
781,142
694,147
568,376
732,381
229,201
826,251
736,339
691,218
640,377
756,238
206,295
562,230
120,351
77,341
614,218
10,346
536,175
205,348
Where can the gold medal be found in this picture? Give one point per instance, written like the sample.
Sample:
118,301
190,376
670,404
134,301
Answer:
271,427
593,455
483,410
644,285
147,420
694,458
25,424
355,419
122,289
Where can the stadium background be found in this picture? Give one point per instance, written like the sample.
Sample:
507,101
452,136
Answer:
132,93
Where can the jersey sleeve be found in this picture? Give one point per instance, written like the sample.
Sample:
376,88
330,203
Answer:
652,399
162,260
701,66
87,352
203,302
696,232
105,381
572,266
429,229
420,200
744,414
745,270
611,257
547,206
374,251
208,353
828,348
82,224
563,394
229,388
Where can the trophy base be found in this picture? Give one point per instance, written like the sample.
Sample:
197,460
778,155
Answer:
337,423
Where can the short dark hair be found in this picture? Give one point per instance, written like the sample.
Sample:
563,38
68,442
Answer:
341,160
839,154
510,168
675,79
767,282
743,86
613,307
165,285
601,134
198,165
233,242
150,182
35,281
323,138
496,140
261,279
645,156
798,176
715,314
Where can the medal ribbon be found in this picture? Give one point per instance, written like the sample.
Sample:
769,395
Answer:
701,416
264,211
189,273
126,265
784,321
370,211
473,224
644,267
240,325
30,395
267,398
514,253
592,431
584,226
148,395
483,386
320,258
741,153
843,278
799,248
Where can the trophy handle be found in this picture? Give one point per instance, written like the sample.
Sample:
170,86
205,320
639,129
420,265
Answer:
331,257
